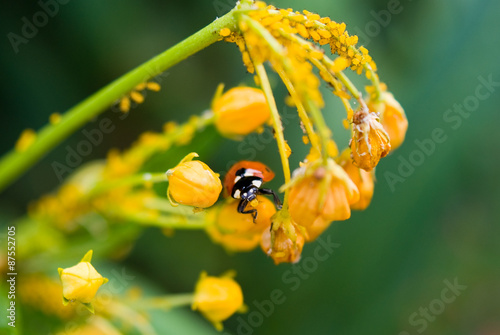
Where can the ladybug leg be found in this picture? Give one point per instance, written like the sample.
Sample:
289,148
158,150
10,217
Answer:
241,209
267,191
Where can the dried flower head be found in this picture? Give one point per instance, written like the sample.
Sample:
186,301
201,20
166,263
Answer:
370,142
280,247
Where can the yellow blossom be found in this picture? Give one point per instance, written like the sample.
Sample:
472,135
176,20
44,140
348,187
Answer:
193,183
316,229
217,298
240,111
238,232
321,191
81,282
364,181
392,118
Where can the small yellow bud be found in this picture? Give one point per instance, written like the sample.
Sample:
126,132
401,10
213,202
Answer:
153,86
81,282
364,181
240,111
27,138
193,183
224,32
137,97
55,118
217,298
236,231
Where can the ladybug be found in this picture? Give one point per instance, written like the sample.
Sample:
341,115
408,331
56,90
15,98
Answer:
244,180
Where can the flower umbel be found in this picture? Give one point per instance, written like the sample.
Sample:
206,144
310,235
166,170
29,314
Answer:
217,298
81,282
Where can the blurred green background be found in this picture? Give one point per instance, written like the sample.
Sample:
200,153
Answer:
436,225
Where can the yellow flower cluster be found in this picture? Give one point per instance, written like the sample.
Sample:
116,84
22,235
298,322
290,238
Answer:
327,186
62,208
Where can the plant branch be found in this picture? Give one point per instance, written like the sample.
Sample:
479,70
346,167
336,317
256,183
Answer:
14,163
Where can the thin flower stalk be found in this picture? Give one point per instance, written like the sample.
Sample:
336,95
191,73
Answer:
306,121
277,126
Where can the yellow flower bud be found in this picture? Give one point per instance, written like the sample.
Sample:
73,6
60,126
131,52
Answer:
240,111
319,191
81,282
217,298
236,231
364,181
316,229
370,142
284,250
392,117
193,183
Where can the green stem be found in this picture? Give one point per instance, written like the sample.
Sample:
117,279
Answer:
277,126
168,221
165,302
323,130
14,163
375,81
133,180
349,85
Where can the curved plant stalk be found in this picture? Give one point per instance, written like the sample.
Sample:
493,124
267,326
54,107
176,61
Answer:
14,163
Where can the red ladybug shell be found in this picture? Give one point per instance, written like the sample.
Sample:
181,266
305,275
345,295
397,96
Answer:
261,171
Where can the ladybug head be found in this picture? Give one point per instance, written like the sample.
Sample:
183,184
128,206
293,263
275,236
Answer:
249,193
